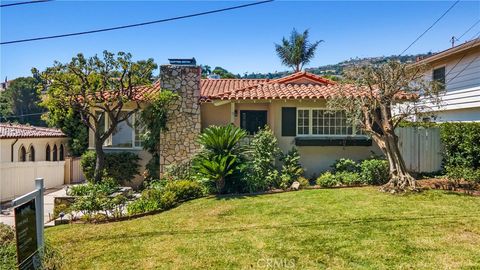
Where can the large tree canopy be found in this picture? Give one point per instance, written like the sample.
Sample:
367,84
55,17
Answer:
19,102
390,94
297,51
98,87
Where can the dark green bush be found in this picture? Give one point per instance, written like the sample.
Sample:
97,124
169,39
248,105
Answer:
221,161
291,168
345,165
327,179
122,166
457,173
349,178
374,171
461,144
184,189
261,169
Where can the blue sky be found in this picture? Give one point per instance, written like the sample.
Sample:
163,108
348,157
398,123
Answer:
239,40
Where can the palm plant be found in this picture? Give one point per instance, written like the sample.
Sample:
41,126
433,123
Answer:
296,51
221,157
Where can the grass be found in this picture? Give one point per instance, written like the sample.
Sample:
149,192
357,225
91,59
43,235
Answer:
355,228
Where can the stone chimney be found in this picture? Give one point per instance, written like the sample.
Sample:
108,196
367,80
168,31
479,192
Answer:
178,143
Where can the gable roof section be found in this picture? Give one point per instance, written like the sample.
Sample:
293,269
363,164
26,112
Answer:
11,131
300,85
472,44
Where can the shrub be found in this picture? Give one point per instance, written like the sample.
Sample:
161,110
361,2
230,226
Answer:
457,173
461,144
304,182
345,165
291,168
327,179
179,171
142,206
168,200
374,171
184,189
348,178
106,187
221,160
122,166
264,150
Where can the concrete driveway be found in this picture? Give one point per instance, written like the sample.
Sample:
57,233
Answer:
6,215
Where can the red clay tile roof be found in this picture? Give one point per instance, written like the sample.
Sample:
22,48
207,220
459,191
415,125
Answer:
300,85
12,131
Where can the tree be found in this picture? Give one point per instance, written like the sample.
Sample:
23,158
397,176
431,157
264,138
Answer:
20,102
206,70
96,88
296,51
389,94
224,74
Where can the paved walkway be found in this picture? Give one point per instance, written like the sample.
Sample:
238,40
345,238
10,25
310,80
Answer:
6,215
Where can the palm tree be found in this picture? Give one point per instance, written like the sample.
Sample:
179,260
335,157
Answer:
296,51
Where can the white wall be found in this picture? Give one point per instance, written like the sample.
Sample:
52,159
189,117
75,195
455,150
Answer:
39,144
18,178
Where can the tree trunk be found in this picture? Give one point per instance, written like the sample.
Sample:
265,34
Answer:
100,161
400,179
221,185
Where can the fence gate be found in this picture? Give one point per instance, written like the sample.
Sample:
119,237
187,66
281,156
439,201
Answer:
421,148
73,171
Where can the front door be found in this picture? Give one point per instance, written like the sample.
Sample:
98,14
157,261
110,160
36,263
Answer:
252,121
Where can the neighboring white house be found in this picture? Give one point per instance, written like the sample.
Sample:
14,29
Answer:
28,152
458,68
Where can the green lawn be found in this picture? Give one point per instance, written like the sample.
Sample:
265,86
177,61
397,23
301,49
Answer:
355,228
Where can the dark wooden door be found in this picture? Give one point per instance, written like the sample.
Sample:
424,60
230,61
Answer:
252,121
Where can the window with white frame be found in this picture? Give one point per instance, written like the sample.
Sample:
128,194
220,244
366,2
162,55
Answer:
322,122
127,134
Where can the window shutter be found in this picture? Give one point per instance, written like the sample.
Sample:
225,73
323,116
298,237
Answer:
289,121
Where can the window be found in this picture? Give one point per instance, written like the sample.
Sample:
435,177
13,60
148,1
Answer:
252,121
61,154
323,122
303,121
439,76
22,154
54,153
47,153
31,153
127,134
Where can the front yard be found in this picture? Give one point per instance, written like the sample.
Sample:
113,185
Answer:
327,228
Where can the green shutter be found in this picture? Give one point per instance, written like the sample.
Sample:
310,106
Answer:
289,121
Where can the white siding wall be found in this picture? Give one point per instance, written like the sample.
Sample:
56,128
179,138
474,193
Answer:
461,100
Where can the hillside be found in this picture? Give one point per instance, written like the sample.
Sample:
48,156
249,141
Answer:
337,69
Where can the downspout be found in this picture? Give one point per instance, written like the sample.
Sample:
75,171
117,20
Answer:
11,148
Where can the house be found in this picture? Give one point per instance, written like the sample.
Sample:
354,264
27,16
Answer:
28,152
458,69
293,106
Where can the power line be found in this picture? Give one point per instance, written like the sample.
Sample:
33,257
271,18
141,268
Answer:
24,3
458,39
137,24
431,26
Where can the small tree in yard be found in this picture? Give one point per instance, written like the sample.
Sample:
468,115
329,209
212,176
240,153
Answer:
96,88
386,95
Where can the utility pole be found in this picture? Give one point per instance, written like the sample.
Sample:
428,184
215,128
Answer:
452,40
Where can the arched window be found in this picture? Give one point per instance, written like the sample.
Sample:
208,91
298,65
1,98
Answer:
54,158
61,154
47,153
22,154
31,153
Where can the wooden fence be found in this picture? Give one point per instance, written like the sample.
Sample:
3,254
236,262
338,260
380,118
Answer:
421,148
73,171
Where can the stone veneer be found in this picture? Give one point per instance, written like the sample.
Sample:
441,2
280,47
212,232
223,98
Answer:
178,143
